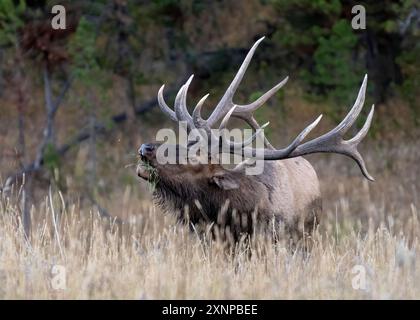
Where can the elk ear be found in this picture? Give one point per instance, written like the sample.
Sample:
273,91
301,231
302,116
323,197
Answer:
225,182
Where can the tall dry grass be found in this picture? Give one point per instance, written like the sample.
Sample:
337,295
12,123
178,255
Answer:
375,226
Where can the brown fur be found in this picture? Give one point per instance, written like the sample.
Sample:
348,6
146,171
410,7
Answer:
286,193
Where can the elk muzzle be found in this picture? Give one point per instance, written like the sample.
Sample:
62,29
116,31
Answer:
147,151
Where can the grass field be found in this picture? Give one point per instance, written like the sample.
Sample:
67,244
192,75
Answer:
367,229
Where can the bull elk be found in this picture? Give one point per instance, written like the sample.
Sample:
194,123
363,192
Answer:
287,192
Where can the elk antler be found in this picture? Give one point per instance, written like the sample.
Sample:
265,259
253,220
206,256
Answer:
244,112
332,141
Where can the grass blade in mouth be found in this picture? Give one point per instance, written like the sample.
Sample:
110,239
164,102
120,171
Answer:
153,174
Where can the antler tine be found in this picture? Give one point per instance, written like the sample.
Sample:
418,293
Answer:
285,152
200,123
351,117
261,100
164,107
303,135
196,116
333,141
250,120
236,145
242,144
178,102
226,102
244,112
181,110
362,133
226,118
356,140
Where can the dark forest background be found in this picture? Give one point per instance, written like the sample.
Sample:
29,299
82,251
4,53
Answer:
75,104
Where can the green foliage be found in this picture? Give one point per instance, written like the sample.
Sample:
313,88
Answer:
85,66
408,60
83,50
317,37
255,95
335,73
305,21
323,44
51,157
153,175
10,21
410,67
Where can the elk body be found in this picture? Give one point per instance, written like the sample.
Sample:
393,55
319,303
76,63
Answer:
286,195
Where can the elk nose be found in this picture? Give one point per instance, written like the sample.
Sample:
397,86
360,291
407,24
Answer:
146,149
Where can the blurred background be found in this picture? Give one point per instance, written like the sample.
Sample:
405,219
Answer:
75,104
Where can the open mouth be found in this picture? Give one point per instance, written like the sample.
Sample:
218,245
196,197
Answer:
145,170
142,172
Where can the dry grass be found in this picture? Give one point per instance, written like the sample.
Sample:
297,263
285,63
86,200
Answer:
372,225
